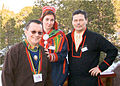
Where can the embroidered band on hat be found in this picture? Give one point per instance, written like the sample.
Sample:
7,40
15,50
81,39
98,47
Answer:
47,8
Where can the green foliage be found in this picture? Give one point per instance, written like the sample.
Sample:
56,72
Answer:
7,35
35,14
0,27
7,23
100,16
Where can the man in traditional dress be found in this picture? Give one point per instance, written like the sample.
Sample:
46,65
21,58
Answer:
26,63
85,47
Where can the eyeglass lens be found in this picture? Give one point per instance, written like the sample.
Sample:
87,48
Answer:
34,32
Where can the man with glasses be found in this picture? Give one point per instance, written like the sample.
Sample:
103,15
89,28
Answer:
26,63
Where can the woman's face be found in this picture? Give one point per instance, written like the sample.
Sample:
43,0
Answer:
48,22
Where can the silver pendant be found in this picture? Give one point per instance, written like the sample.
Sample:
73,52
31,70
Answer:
46,36
45,42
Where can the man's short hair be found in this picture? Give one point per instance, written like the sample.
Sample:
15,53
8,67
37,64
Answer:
79,12
32,21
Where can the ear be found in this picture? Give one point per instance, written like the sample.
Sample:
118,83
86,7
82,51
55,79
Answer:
87,21
25,32
72,22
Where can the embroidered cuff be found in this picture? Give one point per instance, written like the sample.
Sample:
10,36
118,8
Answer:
53,57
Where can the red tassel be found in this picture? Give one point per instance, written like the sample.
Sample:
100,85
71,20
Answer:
40,19
55,25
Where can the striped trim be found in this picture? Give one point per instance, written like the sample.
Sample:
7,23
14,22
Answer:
31,62
64,66
67,44
73,42
80,51
56,57
62,41
106,63
47,8
100,82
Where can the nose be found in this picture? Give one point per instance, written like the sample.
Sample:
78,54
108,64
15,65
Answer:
78,22
36,34
49,22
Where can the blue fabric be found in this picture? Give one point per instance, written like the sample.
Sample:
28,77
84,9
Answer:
59,67
35,62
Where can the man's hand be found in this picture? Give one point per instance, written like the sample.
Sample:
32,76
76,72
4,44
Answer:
94,71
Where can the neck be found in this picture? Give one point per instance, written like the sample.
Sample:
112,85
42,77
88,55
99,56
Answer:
80,31
28,42
47,30
34,45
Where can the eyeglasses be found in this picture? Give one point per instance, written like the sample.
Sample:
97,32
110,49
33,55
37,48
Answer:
34,32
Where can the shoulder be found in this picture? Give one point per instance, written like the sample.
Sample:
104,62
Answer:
17,46
69,34
93,34
60,31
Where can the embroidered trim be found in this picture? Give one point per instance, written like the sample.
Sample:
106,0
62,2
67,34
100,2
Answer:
72,36
81,48
64,66
31,62
106,63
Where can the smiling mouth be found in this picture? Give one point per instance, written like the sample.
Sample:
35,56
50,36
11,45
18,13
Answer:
49,26
36,38
79,26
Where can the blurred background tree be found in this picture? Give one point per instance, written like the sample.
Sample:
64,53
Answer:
103,17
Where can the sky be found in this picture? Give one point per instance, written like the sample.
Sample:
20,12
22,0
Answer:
16,5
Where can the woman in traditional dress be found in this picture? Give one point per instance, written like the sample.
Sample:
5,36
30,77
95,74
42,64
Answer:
55,43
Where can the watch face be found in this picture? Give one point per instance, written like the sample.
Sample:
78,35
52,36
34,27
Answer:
46,36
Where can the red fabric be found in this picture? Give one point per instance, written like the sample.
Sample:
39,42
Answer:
100,82
40,19
55,25
56,57
47,8
64,66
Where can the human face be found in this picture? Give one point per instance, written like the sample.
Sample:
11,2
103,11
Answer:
34,33
48,22
79,22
